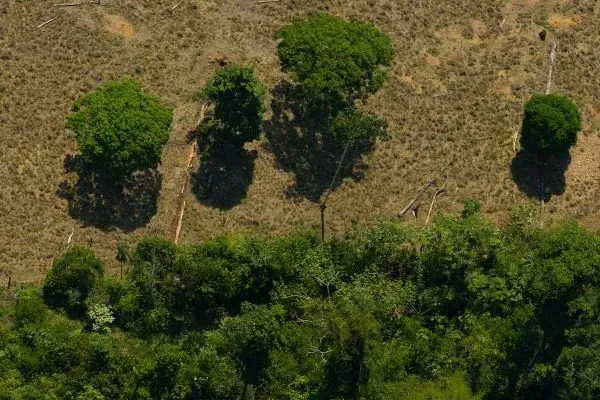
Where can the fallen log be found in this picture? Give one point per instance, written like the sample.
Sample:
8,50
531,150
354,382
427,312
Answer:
413,201
46,23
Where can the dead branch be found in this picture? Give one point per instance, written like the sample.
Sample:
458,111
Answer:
202,111
317,350
551,69
413,201
68,4
178,230
70,237
415,210
267,1
513,138
176,5
191,154
301,296
46,23
439,191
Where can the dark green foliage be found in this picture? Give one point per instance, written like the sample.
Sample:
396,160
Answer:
238,98
120,129
338,61
70,280
550,125
457,310
249,338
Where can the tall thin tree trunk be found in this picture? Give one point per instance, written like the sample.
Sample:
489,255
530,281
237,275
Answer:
323,204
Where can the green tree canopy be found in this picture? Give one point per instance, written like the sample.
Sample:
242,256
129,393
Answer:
337,60
238,98
458,309
120,129
70,280
550,125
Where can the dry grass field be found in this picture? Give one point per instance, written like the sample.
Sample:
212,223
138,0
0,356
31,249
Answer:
462,71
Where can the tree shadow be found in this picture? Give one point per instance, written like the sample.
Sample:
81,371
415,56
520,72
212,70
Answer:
224,176
528,173
100,202
294,138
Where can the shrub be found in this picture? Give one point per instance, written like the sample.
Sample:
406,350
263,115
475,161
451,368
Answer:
550,125
120,129
70,280
470,208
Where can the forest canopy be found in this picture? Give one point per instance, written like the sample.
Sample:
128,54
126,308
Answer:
460,309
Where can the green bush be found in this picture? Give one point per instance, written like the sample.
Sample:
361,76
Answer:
550,125
338,61
120,129
70,280
238,98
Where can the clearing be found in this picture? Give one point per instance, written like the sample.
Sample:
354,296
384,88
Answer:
454,98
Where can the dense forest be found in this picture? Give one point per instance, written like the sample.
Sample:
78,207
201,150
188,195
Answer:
458,309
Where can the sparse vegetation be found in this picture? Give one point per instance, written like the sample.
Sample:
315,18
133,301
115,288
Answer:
120,129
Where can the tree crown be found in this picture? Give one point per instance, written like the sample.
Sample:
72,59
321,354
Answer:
337,60
238,97
120,129
550,125
70,280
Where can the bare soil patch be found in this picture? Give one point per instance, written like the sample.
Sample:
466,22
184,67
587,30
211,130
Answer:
119,26
563,22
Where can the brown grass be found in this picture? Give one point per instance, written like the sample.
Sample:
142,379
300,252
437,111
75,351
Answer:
462,72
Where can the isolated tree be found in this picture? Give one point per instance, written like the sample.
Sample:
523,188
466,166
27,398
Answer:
338,61
550,125
120,129
238,98
70,280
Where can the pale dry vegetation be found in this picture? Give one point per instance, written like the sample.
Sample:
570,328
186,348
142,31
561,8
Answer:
454,98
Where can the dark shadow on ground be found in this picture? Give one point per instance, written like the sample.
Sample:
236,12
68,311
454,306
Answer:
224,176
102,203
528,172
293,134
